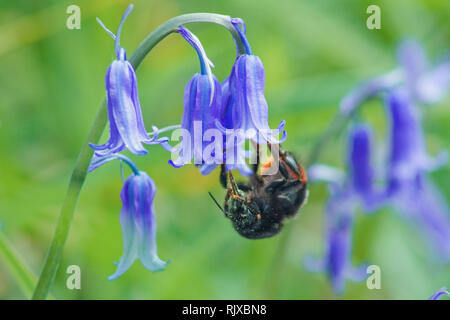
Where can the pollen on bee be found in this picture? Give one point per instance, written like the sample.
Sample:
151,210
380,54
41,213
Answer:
266,165
302,174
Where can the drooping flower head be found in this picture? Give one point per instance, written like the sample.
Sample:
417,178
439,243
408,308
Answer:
126,125
137,219
409,189
347,192
244,104
408,155
360,170
202,99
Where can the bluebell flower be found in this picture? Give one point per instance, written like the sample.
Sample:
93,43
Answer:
202,100
137,219
126,125
425,83
233,138
347,193
409,189
244,104
408,154
438,294
359,178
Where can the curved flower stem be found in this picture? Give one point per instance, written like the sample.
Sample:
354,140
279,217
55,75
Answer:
84,158
25,279
336,126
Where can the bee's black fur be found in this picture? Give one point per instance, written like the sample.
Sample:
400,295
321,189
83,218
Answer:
257,209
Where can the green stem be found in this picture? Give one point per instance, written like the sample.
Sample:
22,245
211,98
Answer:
23,276
84,158
275,269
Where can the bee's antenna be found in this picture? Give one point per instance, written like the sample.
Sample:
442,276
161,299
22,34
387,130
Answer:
223,176
215,201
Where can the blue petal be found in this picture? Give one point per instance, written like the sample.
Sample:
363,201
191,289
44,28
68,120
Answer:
146,224
122,86
245,103
129,232
138,224
199,115
407,149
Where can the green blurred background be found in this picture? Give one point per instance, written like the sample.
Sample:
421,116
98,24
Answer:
51,86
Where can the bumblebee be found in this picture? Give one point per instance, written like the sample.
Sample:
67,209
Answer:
257,209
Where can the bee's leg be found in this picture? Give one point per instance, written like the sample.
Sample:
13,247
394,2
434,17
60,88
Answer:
234,187
225,205
291,183
258,156
244,187
289,167
223,176
275,184
283,170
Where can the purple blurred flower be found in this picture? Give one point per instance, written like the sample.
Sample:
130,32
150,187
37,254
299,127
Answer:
408,188
359,179
244,104
441,292
127,130
408,154
137,218
360,171
424,83
347,192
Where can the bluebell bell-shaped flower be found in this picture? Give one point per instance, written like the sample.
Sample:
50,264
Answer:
347,192
137,218
127,130
424,83
408,188
408,154
202,100
438,294
244,104
360,170
138,223
234,139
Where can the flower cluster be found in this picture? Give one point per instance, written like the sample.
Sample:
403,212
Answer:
217,120
227,114
402,179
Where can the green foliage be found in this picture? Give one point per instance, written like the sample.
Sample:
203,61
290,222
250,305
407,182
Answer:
51,85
